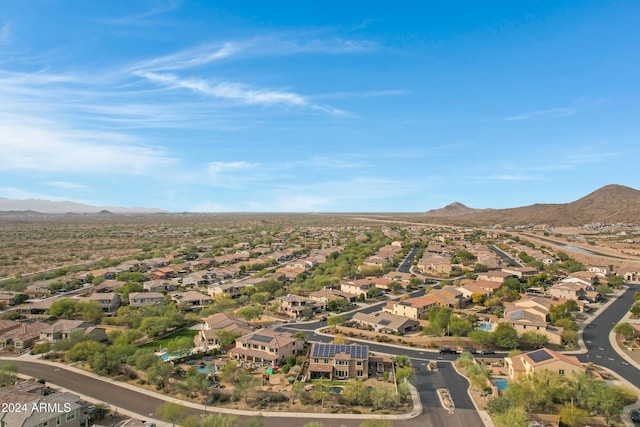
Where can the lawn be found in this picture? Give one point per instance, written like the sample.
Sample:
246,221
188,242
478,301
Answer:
162,342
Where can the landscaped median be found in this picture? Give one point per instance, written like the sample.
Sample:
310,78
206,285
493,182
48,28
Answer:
445,399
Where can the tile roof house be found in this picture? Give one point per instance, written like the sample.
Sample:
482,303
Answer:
266,346
62,409
62,329
208,337
294,305
191,299
386,322
542,359
110,302
141,299
22,337
338,361
413,308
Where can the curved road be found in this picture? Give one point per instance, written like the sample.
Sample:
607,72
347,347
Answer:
596,338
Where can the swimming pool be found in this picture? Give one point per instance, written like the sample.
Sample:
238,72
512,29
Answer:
501,383
486,326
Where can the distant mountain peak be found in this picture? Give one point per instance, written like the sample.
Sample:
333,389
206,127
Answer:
66,207
612,203
452,209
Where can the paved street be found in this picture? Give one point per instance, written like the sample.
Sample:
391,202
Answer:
596,339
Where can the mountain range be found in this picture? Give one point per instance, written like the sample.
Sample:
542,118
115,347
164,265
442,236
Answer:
36,206
609,204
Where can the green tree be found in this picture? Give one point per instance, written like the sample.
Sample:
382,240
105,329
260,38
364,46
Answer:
571,415
8,373
534,339
172,412
226,337
84,350
625,329
506,336
336,320
512,417
250,313
159,374
484,338
321,391
403,360
180,345
404,373
64,308
90,310
338,305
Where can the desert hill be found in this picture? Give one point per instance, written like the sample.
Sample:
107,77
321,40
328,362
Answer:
33,206
609,204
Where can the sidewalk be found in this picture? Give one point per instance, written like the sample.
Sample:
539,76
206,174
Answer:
416,411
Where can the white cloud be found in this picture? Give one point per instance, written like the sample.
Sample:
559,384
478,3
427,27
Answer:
40,145
236,92
234,175
19,194
215,168
190,58
141,18
553,113
65,185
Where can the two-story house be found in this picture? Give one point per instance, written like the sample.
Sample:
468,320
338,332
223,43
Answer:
543,359
266,346
338,361
141,299
294,305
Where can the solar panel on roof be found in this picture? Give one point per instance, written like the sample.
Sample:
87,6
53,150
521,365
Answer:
330,350
385,322
262,338
540,356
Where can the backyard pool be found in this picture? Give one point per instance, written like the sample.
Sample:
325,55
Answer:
486,326
501,383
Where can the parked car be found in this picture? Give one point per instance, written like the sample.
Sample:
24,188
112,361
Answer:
487,352
634,415
448,351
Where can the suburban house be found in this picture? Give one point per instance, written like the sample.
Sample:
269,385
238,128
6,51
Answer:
198,279
542,359
62,329
338,361
435,264
294,305
266,346
140,299
495,276
108,286
357,287
567,290
630,274
109,302
159,286
208,335
413,308
386,322
191,299
30,393
162,273
325,295
22,337
600,270
521,272
231,290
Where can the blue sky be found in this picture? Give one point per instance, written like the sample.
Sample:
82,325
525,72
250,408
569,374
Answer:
317,106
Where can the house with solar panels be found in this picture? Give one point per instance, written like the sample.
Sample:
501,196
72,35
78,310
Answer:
266,346
542,360
338,361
